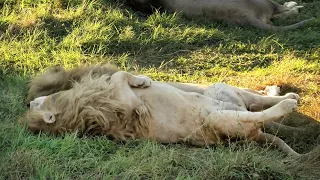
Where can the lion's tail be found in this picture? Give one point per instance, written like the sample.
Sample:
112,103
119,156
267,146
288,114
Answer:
262,25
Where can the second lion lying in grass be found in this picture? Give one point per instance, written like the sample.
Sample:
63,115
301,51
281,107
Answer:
124,106
257,13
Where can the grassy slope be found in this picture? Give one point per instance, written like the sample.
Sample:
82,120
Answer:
35,34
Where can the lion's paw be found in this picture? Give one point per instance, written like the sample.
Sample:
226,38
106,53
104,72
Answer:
288,105
293,11
296,9
292,96
141,81
290,4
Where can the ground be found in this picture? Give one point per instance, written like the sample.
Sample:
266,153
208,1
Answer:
35,34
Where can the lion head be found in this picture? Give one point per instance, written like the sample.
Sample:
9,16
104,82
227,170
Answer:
89,108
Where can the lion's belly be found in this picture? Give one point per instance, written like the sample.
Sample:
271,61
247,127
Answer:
175,115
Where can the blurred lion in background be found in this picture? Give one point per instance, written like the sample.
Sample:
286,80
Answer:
256,13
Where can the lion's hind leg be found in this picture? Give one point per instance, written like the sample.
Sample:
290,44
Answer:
230,119
247,125
250,100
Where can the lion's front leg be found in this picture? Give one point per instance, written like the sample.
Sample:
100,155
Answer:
289,9
123,81
139,81
122,78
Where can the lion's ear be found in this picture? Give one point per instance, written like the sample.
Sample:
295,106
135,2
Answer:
48,118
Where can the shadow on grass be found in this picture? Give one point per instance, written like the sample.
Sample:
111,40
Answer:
56,28
286,88
304,137
300,40
229,40
238,48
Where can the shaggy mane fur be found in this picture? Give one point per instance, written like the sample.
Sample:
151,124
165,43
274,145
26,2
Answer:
90,109
57,79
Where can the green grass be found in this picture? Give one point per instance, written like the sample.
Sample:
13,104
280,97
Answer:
35,34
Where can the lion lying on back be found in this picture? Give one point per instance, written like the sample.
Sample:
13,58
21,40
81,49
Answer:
256,13
123,106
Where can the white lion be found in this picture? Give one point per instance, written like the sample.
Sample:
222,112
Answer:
123,106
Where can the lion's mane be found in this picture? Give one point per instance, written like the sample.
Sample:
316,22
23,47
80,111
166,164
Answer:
57,79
